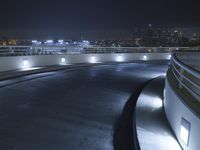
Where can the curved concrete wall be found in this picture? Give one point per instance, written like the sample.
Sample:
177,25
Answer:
18,62
176,111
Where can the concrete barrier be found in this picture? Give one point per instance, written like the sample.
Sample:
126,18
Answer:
19,62
184,122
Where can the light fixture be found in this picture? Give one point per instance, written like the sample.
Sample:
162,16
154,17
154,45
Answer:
185,131
169,56
93,59
145,57
63,60
25,62
119,59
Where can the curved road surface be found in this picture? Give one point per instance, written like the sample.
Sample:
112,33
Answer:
81,109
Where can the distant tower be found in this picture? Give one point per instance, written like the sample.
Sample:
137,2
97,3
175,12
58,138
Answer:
150,25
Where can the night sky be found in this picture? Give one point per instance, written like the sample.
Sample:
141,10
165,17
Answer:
34,17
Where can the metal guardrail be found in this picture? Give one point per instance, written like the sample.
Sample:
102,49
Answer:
187,77
70,49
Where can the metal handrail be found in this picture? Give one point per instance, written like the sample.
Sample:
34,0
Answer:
195,94
183,66
186,78
187,88
181,77
72,49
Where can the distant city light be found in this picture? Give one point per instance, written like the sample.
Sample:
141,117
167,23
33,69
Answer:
86,42
49,41
150,25
34,41
61,41
157,103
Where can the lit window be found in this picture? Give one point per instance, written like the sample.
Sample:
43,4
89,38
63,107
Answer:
185,131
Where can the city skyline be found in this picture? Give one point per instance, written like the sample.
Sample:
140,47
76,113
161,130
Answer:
94,18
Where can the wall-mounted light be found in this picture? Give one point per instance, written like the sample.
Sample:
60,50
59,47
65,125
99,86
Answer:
25,63
119,59
185,131
93,59
145,57
63,60
169,57
61,41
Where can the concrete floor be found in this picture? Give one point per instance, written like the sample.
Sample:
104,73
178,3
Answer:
70,110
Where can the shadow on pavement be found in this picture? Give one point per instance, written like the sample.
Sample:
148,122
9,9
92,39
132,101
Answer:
124,137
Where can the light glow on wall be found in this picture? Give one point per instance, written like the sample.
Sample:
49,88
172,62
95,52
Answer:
93,59
32,68
63,60
34,41
119,59
25,62
145,57
61,41
169,57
